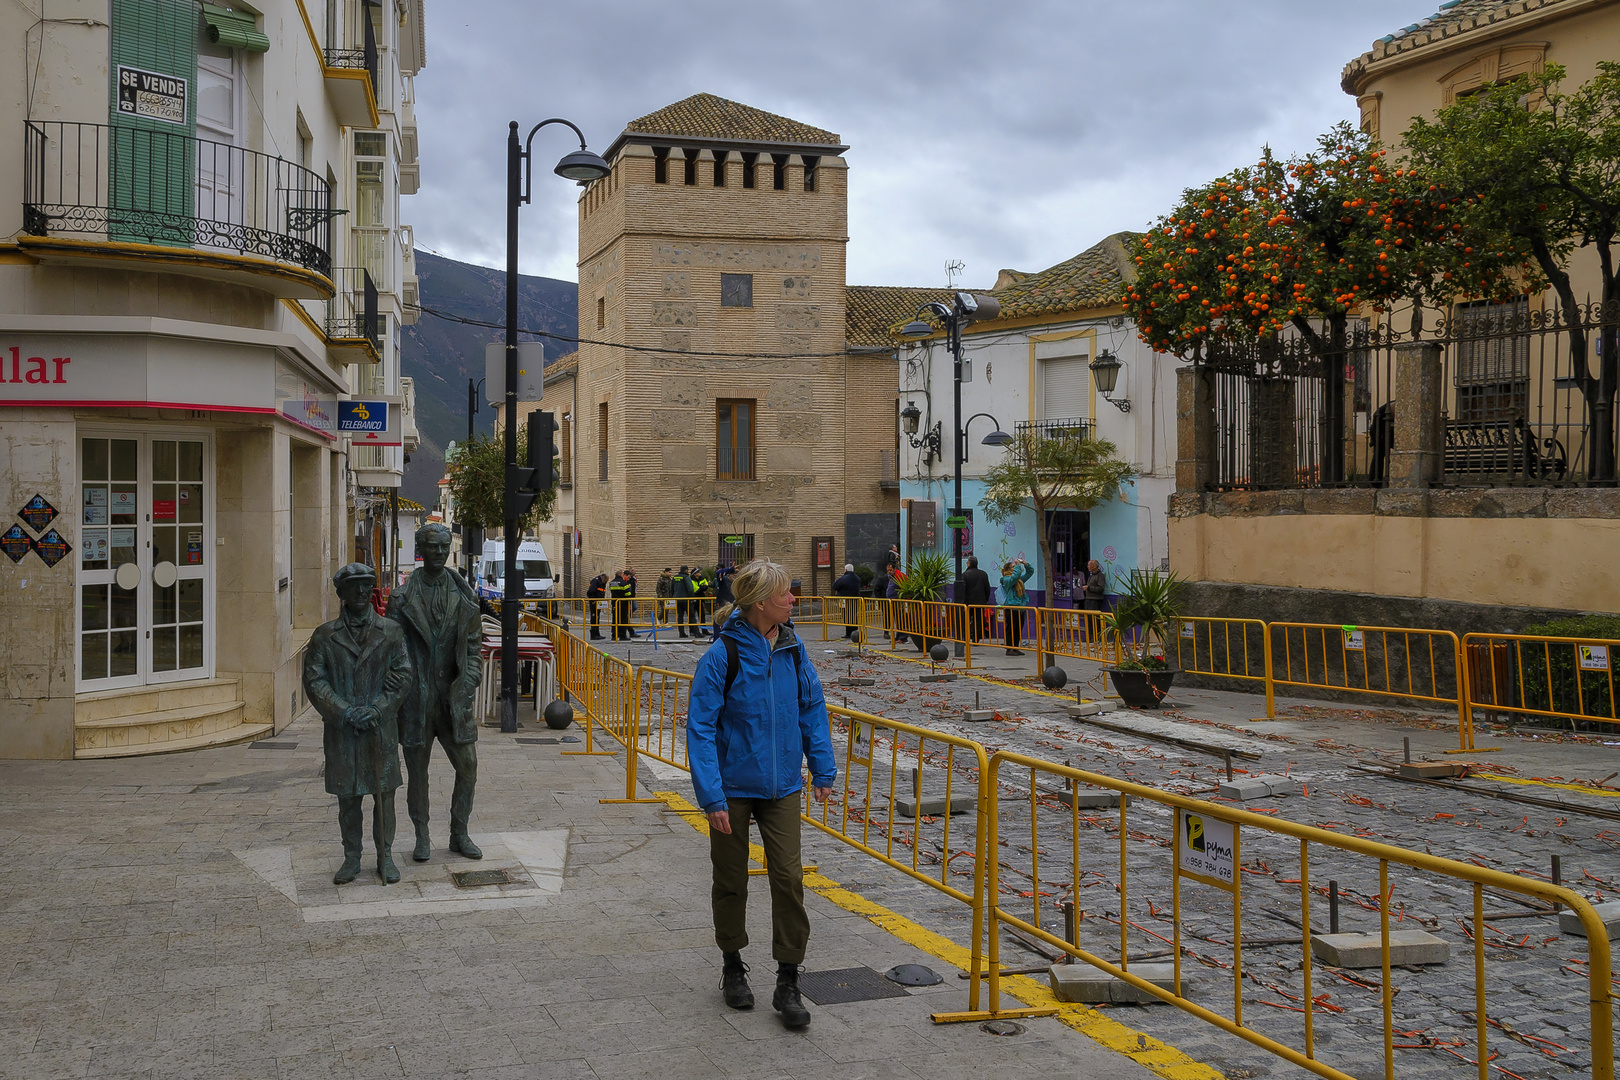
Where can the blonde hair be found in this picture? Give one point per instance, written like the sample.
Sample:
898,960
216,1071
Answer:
757,581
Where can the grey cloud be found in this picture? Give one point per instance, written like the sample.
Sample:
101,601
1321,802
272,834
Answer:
1007,135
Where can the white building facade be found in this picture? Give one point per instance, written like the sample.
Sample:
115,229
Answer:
1030,369
202,276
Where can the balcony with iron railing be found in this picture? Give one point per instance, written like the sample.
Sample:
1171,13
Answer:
1071,428
116,191
353,324
351,79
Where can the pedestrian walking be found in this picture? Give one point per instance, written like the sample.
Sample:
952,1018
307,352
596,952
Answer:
681,590
849,585
891,596
594,592
621,589
1096,587
976,595
756,715
1013,595
664,590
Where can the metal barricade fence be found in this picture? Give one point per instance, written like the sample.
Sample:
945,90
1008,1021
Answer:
1074,632
1217,860
1227,648
1387,661
1555,678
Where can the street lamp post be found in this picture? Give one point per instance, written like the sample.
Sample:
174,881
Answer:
964,308
583,166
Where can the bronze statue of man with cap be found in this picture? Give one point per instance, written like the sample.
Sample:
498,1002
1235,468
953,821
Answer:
443,632
356,673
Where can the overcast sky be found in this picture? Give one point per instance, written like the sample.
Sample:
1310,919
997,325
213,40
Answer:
1011,134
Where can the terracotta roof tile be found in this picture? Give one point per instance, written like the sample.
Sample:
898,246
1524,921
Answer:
706,116
1091,279
1454,18
871,310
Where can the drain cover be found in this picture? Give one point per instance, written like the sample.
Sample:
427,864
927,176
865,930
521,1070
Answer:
472,879
1001,1027
569,738
847,984
537,742
263,744
913,975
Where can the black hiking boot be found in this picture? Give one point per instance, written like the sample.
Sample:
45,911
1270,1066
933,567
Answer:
734,982
795,1017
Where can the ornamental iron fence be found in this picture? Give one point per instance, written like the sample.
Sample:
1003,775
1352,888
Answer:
1526,398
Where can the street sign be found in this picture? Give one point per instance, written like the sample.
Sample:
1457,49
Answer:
734,539
956,522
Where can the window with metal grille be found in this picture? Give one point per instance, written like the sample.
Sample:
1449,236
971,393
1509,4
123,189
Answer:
602,442
1493,360
601,312
734,549
734,440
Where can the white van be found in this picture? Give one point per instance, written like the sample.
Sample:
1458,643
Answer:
537,578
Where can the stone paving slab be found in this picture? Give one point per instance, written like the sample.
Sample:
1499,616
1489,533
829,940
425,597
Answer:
174,917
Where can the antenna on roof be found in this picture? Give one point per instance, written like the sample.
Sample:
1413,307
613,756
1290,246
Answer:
953,270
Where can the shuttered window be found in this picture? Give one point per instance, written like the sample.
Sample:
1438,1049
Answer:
1065,388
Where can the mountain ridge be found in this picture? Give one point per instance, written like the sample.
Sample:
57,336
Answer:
442,354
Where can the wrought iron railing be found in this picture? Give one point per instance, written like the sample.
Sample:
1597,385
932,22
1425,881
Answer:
1524,402
361,59
1072,428
734,463
123,183
351,314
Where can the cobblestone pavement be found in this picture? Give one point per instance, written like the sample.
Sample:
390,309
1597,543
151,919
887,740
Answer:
1536,979
173,917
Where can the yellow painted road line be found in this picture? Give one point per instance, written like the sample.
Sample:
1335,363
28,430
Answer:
1583,789
1150,1053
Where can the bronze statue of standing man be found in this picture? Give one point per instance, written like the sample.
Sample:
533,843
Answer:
443,632
356,673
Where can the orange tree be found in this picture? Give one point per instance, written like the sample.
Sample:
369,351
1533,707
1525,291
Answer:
1304,243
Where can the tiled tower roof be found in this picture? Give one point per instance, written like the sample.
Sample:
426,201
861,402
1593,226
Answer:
706,116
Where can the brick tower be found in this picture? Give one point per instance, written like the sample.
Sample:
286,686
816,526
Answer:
717,393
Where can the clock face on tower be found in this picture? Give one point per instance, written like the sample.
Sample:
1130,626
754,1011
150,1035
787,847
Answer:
736,290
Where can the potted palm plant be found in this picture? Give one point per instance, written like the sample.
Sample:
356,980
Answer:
1147,611
925,580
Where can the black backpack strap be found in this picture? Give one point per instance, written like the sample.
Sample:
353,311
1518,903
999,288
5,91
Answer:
734,662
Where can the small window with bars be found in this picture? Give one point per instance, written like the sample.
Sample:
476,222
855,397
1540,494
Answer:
734,549
734,440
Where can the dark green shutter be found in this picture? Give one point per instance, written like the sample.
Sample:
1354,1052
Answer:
152,165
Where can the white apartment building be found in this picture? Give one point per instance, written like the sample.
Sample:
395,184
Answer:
203,272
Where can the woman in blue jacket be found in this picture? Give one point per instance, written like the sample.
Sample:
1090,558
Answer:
1013,576
755,715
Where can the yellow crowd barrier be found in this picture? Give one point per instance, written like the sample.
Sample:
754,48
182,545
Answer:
1215,849
1388,661
1228,648
1074,632
1557,678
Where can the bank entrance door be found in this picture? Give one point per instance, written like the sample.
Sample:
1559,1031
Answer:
145,609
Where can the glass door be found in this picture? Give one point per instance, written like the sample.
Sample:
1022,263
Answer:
145,519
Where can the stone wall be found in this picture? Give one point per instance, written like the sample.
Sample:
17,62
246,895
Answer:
38,455
651,260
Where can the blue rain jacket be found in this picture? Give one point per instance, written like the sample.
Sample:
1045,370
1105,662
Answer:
753,744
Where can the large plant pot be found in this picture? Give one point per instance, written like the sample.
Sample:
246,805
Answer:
1141,689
